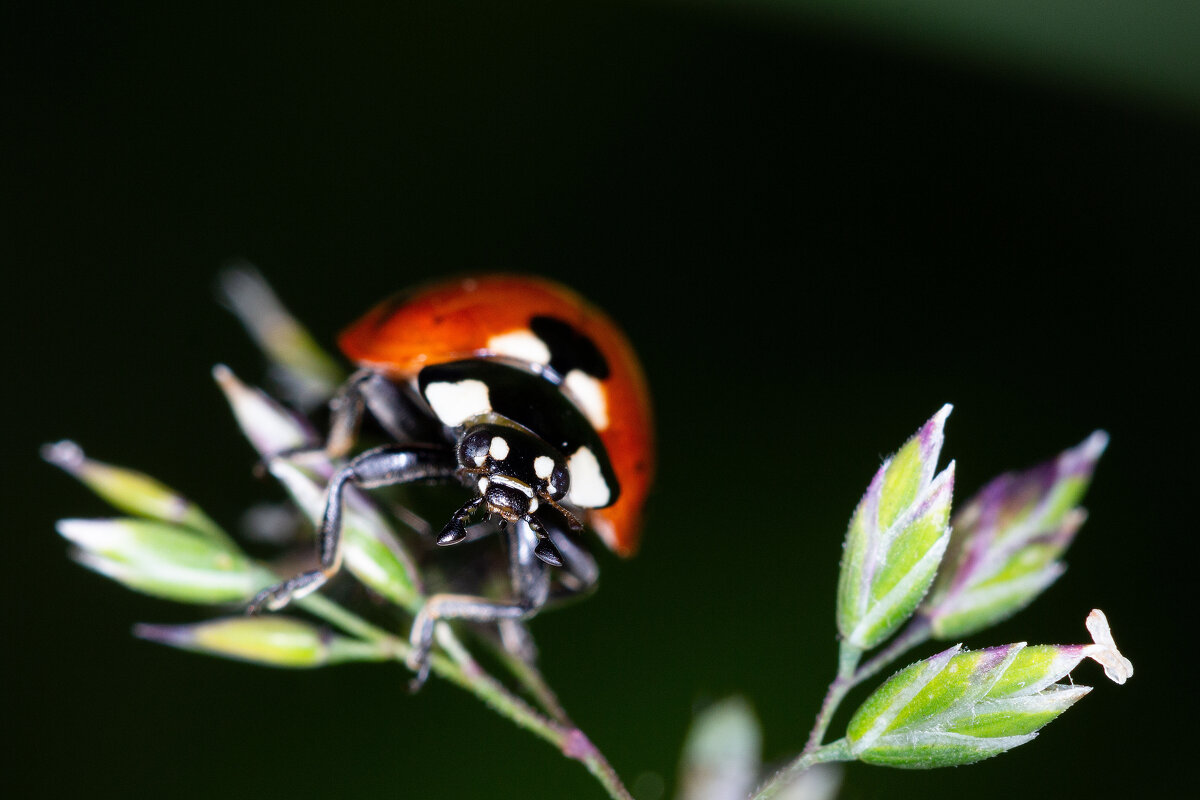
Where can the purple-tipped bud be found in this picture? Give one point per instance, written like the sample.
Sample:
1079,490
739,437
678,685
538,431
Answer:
1007,542
896,539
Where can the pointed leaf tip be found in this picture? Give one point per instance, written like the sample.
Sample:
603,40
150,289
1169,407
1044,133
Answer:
269,426
1095,445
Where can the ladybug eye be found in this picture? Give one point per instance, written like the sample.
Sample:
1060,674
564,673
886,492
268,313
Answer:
561,481
473,450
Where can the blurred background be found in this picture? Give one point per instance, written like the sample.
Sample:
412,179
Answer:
817,222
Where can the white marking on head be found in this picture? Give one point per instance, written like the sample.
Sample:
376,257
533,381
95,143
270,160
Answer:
533,504
588,487
589,395
454,403
479,460
498,448
483,484
521,345
512,483
543,466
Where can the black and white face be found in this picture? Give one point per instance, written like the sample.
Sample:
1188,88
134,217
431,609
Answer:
514,470
553,449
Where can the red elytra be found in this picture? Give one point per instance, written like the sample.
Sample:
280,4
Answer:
455,320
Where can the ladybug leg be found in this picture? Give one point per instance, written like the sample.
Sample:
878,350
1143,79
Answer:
531,588
578,574
456,529
545,549
382,466
395,410
345,414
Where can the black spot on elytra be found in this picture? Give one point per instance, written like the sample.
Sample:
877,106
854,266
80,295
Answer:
569,349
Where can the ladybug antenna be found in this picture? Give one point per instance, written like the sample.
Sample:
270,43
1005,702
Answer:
572,521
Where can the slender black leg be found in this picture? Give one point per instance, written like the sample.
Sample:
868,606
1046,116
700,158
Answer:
578,574
390,405
382,466
531,587
345,414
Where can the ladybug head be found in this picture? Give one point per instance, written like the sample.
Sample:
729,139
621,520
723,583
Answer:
516,473
514,470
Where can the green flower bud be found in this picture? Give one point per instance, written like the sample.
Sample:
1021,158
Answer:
274,640
960,707
166,561
896,539
132,492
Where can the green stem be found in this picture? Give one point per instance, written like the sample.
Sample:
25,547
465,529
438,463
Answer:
917,631
467,674
851,675
324,608
848,657
570,740
531,678
834,751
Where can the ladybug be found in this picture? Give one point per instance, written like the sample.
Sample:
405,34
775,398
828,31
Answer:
523,393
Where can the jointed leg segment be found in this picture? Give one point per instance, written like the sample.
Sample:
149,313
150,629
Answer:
382,466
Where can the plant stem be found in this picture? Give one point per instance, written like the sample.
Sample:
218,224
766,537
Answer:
570,740
321,606
467,674
851,675
531,678
834,751
917,631
848,657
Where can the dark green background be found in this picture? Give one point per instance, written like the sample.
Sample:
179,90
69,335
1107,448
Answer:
814,239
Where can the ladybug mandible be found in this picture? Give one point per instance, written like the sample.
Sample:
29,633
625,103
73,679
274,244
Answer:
522,392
